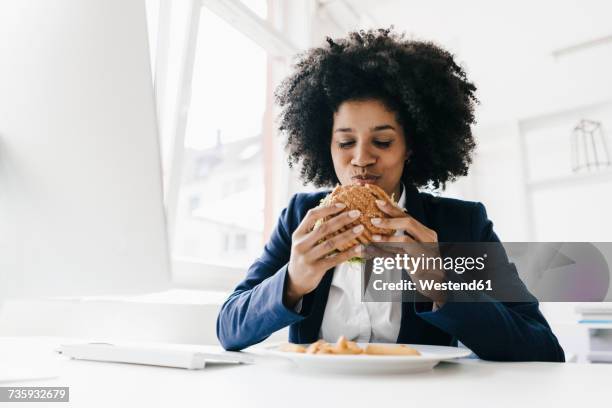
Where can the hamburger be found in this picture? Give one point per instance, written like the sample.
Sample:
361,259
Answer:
362,198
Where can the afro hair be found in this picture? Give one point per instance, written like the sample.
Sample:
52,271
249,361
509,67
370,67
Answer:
419,81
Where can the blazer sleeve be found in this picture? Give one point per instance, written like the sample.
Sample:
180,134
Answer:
493,330
255,309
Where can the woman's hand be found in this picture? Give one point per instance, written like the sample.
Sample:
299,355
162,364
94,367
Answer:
310,259
414,233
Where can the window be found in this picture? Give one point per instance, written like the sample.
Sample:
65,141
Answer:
235,186
223,157
152,10
213,84
240,243
226,242
194,202
259,7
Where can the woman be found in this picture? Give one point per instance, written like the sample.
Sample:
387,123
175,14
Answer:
376,108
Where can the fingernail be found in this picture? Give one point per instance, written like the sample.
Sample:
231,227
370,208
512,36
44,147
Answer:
381,203
357,249
358,229
375,221
354,213
340,205
376,237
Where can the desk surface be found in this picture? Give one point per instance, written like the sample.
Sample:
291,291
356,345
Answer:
276,383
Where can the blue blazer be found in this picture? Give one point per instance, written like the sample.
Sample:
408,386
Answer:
493,330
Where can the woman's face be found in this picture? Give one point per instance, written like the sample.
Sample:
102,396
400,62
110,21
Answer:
368,145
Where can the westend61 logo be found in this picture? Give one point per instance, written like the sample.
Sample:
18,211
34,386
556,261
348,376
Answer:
413,264
486,271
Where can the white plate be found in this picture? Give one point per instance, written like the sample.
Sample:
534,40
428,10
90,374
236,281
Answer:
372,364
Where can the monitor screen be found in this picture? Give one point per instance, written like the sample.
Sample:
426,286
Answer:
81,204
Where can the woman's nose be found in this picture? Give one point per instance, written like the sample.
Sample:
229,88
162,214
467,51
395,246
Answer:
362,157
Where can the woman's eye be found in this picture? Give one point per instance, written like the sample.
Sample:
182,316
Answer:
382,144
344,145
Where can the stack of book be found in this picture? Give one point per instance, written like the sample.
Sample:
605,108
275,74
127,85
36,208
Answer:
598,320
596,314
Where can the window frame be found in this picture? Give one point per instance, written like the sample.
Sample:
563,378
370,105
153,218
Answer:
193,272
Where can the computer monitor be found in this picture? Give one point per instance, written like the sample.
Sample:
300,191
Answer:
81,205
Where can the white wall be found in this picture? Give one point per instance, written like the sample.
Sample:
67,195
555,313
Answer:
531,97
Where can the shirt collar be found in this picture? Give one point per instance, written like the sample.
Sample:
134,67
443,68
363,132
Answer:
402,200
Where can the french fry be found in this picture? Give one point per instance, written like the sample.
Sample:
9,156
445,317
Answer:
314,347
391,350
353,347
294,348
344,346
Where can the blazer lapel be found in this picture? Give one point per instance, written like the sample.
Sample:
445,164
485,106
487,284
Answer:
413,329
414,204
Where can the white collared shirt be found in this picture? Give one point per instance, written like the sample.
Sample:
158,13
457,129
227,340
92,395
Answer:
347,315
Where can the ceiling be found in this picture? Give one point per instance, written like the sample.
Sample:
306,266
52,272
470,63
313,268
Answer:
510,49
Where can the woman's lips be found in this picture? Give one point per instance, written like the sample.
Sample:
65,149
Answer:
362,180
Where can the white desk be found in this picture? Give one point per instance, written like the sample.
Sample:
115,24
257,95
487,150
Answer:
272,384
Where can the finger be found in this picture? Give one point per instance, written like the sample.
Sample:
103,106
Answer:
408,224
401,223
315,214
331,226
392,210
395,244
339,257
337,243
394,238
365,237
